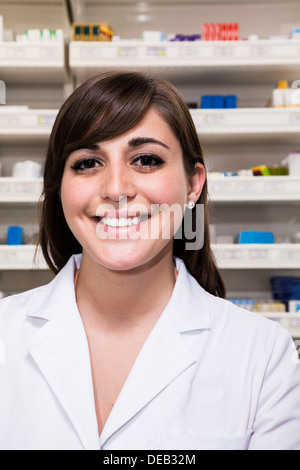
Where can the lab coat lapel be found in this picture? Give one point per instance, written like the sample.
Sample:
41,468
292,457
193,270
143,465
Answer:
60,350
163,358
165,355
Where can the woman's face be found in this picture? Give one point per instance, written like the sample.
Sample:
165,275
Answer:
125,198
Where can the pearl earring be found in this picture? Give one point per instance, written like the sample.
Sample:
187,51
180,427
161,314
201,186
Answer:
191,205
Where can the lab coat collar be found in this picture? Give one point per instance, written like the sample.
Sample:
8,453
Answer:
189,301
165,355
60,350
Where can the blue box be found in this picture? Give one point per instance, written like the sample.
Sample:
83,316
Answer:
231,102
206,102
218,102
15,236
285,288
255,237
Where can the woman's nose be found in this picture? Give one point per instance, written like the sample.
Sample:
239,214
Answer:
118,184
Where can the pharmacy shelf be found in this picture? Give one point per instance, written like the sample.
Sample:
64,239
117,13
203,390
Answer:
21,124
21,258
229,256
239,189
248,125
33,62
20,190
227,189
239,61
254,125
257,256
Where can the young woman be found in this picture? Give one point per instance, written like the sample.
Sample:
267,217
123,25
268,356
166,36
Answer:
132,345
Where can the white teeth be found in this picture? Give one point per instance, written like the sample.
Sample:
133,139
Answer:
122,222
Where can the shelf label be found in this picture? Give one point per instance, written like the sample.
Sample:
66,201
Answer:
247,187
295,117
224,51
156,52
7,121
258,254
46,120
25,188
49,53
290,254
233,254
260,51
189,51
128,51
214,119
4,188
274,186
87,53
16,53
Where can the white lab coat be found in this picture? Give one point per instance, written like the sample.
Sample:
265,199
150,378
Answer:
210,376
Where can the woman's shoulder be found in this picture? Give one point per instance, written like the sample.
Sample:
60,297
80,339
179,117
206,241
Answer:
224,317
231,321
20,304
34,300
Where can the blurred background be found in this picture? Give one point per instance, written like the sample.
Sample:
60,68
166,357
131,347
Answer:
237,65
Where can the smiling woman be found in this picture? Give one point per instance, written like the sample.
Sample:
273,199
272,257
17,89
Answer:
132,346
100,111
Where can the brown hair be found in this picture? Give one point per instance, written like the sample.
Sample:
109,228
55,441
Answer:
103,108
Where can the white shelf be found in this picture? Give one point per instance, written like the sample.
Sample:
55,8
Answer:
222,60
26,125
239,189
234,189
257,256
280,256
20,190
267,125
33,62
248,125
20,258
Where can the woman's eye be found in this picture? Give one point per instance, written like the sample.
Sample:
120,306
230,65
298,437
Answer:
148,161
86,164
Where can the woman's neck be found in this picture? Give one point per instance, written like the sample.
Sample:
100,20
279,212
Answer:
118,300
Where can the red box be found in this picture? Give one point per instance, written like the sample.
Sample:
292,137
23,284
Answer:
236,32
205,32
218,32
212,32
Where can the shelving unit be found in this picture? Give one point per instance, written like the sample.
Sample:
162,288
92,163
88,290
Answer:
33,63
265,189
231,139
23,124
253,256
21,258
256,125
200,60
37,81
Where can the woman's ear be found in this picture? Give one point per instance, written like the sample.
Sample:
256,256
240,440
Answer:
196,182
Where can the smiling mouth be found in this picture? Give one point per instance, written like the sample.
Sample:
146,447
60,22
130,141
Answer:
122,221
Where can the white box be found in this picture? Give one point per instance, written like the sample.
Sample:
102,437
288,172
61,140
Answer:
293,163
294,306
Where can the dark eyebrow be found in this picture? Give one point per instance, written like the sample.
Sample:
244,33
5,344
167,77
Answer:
138,141
135,142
